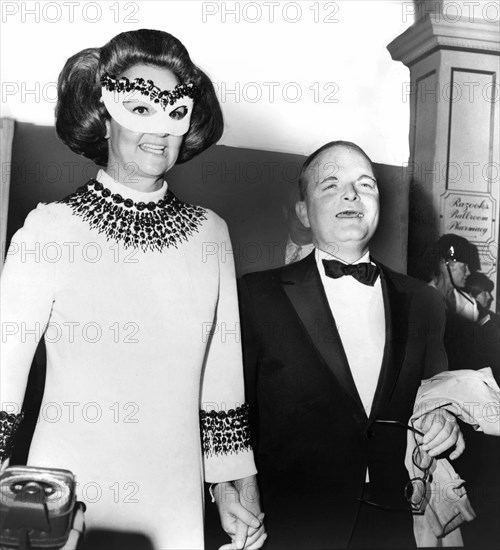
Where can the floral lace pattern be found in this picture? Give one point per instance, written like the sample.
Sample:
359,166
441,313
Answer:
8,427
147,226
225,432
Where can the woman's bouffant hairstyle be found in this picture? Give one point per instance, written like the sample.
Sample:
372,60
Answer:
81,116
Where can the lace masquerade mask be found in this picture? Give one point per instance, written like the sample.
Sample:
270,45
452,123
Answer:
142,107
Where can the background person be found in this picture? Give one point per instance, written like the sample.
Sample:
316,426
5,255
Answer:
452,262
299,242
480,288
487,333
449,263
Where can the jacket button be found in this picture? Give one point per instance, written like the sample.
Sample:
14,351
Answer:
369,434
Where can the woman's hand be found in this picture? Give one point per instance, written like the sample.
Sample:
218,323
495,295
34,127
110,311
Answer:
240,514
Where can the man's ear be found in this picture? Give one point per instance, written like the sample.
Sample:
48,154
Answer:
108,129
301,211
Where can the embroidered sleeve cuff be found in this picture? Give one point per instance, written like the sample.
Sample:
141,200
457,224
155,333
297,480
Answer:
8,427
225,432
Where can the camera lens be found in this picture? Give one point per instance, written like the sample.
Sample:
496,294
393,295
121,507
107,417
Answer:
32,488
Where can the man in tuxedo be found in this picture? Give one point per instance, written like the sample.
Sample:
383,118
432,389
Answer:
333,344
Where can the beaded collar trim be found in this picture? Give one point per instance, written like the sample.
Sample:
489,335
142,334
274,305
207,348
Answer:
148,88
9,423
146,226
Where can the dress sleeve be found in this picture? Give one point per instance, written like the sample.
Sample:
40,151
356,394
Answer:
224,415
27,294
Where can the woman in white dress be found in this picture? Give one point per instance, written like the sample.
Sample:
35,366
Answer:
135,292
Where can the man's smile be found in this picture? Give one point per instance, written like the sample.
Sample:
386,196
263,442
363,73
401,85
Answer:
350,214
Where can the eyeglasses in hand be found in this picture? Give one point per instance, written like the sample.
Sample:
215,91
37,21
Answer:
415,488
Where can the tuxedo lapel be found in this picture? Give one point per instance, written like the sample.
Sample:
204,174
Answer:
303,286
396,321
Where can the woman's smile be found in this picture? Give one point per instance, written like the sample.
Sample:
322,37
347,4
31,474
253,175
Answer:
152,148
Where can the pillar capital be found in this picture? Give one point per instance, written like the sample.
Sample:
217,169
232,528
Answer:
436,32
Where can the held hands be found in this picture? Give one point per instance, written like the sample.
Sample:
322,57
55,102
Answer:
441,433
241,518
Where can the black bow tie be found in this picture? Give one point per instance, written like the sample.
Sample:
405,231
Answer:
365,273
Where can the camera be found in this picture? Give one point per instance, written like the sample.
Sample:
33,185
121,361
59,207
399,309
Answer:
36,507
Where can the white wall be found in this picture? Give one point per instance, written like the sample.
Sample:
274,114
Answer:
329,71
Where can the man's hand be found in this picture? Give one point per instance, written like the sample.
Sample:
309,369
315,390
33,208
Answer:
441,432
240,514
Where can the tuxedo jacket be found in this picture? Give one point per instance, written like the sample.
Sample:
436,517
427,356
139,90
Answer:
312,438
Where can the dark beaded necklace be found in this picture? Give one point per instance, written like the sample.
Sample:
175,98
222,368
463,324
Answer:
118,199
147,226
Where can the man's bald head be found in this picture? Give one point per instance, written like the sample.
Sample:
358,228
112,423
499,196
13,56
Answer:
304,176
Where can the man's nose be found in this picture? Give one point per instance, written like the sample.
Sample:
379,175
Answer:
350,192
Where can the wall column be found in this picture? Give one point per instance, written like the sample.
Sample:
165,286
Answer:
452,51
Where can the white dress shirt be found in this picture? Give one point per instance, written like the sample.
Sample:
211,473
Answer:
358,310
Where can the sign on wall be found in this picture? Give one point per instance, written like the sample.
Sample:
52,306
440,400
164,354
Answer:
473,216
